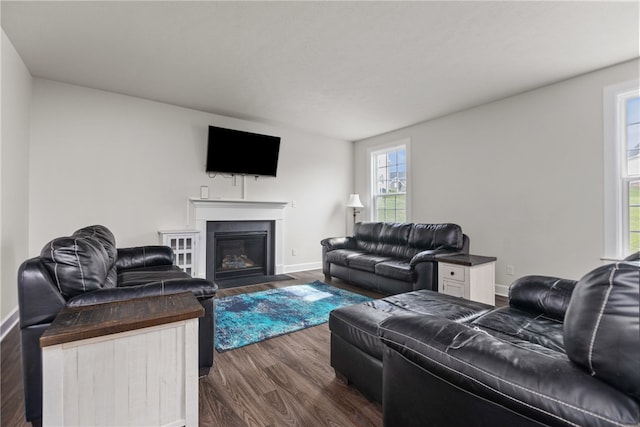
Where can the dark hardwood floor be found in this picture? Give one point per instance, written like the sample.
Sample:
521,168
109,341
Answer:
284,381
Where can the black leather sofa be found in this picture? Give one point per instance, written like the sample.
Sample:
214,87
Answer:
392,258
563,353
86,268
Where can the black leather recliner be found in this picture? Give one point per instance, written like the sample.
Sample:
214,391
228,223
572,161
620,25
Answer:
86,268
563,353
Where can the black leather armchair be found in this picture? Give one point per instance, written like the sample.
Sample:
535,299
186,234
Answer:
86,268
563,353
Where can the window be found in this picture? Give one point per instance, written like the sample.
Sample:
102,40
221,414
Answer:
631,170
622,170
389,184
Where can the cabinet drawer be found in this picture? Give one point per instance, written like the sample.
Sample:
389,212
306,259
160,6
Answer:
454,289
452,272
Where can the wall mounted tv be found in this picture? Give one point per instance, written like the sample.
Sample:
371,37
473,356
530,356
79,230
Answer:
242,153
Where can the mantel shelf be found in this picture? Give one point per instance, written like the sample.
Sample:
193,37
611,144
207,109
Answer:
237,202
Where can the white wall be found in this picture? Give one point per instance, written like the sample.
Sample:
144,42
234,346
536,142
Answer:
14,175
523,176
132,164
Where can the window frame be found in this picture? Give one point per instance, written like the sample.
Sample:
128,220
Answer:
616,178
373,193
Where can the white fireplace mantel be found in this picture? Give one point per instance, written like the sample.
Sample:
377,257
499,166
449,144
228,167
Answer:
203,210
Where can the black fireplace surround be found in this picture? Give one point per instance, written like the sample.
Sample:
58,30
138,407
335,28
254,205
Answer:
239,249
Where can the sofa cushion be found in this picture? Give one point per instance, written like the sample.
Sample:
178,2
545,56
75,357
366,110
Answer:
602,325
108,241
525,326
546,295
358,324
394,238
396,269
76,264
340,256
144,256
141,276
434,236
366,262
367,235
200,288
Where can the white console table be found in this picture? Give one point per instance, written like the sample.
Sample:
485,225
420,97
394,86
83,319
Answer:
127,363
468,276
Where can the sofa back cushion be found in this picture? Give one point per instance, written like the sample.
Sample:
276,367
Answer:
404,240
383,238
105,237
394,239
434,236
367,235
602,325
77,264
546,295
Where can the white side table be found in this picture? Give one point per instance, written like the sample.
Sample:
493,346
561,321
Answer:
468,276
126,363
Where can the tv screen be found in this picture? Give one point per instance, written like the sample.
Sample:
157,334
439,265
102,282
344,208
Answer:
242,153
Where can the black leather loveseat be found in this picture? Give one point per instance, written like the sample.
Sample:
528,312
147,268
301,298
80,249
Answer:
563,353
392,258
86,268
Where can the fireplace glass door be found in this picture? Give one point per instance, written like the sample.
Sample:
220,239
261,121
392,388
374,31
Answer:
240,254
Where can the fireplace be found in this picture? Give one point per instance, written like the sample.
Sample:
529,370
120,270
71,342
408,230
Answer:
239,249
203,211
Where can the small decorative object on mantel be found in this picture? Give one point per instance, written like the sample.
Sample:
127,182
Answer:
354,202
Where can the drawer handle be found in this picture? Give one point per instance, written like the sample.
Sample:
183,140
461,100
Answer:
452,273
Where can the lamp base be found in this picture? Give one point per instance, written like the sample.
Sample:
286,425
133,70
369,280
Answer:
354,215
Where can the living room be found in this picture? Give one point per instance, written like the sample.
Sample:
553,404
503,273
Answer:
520,167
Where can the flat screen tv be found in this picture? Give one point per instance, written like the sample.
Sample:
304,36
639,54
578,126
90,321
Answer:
242,153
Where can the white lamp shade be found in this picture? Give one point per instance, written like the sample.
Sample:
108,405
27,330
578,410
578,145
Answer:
354,201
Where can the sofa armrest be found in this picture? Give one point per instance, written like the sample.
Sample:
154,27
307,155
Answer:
542,294
432,255
144,256
200,288
424,256
331,243
39,299
514,377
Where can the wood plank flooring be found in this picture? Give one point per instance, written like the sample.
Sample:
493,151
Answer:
284,381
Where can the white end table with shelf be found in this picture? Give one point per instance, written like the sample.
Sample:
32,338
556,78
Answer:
467,276
184,244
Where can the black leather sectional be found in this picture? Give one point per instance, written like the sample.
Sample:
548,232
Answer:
356,349
86,268
562,353
392,258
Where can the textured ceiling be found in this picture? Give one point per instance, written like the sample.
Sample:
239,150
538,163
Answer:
344,69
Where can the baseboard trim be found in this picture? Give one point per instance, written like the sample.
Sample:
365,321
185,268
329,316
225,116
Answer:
8,323
294,268
502,290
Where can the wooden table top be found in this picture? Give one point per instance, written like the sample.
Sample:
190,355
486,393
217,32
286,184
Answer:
78,323
465,259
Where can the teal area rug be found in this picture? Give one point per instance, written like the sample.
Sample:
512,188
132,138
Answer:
249,318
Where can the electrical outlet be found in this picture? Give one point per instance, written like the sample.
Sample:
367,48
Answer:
294,252
511,270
